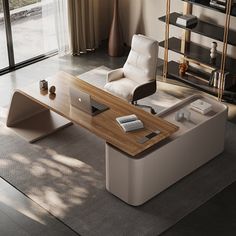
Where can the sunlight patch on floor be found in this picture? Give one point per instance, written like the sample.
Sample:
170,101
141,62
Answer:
50,164
59,203
37,170
20,158
5,163
21,209
65,160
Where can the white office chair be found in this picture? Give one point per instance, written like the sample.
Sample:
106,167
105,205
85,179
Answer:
137,79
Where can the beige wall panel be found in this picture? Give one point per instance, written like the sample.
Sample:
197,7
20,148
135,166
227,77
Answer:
141,16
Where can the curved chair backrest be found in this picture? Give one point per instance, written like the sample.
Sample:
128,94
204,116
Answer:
141,63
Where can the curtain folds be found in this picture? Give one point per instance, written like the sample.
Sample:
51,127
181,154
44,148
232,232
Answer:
83,30
61,21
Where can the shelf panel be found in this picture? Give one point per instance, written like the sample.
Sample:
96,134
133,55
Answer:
202,84
206,4
204,28
200,53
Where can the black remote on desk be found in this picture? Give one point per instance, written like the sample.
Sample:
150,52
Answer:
148,137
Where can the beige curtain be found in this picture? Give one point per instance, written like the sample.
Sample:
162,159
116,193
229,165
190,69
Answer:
83,30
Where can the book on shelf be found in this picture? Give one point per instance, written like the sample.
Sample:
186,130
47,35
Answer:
221,1
229,79
130,123
186,20
220,4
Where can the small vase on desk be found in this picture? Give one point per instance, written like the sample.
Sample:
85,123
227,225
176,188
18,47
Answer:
213,53
115,44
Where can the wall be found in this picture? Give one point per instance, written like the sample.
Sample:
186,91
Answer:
141,16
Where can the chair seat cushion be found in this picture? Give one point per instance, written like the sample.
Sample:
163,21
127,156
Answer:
122,88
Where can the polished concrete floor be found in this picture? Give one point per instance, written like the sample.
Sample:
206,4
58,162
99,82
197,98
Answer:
22,217
18,214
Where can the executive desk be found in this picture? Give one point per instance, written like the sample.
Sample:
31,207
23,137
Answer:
34,114
134,172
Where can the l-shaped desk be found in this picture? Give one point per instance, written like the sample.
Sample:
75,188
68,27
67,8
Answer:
135,172
34,114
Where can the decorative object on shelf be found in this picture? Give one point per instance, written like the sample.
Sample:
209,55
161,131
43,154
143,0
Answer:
43,85
213,53
115,43
187,20
52,90
213,81
229,79
183,68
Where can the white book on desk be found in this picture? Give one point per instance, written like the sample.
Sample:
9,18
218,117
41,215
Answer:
130,123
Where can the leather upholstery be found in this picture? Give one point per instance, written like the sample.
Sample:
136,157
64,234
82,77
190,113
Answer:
123,88
137,77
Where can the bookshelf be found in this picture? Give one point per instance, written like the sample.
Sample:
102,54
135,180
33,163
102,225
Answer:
195,53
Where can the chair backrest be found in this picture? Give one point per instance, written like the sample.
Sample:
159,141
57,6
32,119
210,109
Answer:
141,63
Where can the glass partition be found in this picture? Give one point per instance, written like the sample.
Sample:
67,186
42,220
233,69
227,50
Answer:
4,62
33,28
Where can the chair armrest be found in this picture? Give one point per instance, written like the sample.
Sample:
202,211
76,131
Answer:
144,90
115,75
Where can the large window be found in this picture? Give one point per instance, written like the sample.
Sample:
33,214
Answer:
4,62
30,26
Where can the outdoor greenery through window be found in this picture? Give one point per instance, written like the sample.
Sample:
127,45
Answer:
33,29
14,4
1,10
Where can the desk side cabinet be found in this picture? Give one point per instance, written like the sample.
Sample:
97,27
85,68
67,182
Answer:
136,180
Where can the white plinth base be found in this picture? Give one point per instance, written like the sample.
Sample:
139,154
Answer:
136,180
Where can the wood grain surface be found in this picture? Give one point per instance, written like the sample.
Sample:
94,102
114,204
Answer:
104,124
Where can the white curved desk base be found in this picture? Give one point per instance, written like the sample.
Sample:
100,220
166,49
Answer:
135,181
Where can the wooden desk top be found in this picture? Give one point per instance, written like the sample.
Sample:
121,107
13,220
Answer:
104,124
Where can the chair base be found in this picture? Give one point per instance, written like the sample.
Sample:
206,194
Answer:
145,106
